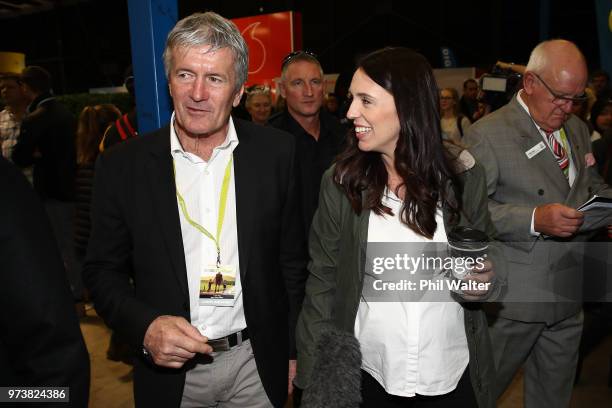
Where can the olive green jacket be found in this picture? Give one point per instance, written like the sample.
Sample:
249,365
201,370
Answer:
337,266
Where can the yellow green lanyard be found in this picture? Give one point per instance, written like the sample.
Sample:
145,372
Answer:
222,202
564,142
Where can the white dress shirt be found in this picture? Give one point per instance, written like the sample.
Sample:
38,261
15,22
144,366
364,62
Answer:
411,347
199,182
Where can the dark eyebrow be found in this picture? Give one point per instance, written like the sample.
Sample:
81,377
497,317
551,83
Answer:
362,95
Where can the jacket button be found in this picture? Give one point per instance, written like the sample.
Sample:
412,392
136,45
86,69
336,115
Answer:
541,192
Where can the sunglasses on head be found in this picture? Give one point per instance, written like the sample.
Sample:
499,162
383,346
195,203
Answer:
294,54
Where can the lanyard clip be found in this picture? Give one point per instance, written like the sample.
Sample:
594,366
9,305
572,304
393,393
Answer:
218,258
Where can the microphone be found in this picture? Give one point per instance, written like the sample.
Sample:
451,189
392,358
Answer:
336,375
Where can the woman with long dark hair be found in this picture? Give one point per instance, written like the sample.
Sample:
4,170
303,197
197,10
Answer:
396,182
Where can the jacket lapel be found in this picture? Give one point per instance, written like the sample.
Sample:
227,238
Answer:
578,151
246,193
529,137
163,193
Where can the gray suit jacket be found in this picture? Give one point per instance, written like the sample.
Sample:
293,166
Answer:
544,274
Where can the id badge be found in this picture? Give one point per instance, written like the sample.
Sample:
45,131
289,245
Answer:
218,285
535,150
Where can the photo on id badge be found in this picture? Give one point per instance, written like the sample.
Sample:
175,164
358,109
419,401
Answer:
218,283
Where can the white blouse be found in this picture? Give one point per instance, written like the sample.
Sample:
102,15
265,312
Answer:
411,347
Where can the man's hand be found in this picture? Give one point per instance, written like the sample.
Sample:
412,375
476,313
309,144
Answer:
172,340
484,274
292,372
557,220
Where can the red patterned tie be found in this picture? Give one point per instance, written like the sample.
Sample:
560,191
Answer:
560,154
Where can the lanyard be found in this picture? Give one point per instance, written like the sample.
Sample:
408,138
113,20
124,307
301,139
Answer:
565,142
222,202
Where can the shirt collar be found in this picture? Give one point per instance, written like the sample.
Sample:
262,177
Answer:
231,140
521,102
39,100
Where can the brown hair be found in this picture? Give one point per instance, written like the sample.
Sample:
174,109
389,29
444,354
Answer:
93,123
419,155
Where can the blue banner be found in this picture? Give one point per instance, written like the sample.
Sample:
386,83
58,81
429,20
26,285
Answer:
448,57
603,8
150,23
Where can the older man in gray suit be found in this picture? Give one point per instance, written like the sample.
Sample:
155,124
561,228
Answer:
539,170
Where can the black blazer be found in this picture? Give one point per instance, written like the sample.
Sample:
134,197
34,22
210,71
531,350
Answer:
136,229
47,141
40,340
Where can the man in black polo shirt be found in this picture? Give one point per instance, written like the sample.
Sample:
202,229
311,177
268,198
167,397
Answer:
319,135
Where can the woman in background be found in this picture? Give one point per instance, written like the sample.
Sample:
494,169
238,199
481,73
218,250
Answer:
259,104
93,122
395,182
453,123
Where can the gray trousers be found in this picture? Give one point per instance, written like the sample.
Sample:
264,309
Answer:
231,380
549,354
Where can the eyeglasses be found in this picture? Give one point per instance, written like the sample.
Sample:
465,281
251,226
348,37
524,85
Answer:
561,99
299,53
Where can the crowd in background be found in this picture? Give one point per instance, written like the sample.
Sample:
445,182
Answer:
457,111
58,152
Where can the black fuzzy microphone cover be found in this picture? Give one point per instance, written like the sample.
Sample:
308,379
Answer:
336,375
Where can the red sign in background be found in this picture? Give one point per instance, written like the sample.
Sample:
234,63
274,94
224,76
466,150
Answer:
270,38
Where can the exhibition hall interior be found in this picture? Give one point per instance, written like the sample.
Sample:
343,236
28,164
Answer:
306,203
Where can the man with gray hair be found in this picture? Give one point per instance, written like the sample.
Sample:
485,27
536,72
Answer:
540,168
205,214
